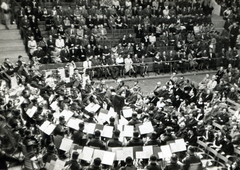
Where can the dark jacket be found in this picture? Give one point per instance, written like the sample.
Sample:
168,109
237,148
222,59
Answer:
79,138
190,159
6,158
135,142
153,166
173,166
95,142
114,143
73,165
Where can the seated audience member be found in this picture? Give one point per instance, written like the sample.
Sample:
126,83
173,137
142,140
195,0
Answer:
227,145
59,43
208,135
32,45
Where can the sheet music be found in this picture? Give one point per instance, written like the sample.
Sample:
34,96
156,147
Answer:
127,151
98,154
89,128
66,144
141,155
108,158
148,150
67,114
123,121
181,145
50,129
31,111
107,131
119,155
128,131
87,153
59,164
44,125
146,128
74,123
92,107
166,151
112,113
127,113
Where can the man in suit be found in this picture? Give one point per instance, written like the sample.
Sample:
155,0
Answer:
96,62
71,32
208,136
79,137
173,165
112,68
212,59
96,141
51,43
136,140
114,142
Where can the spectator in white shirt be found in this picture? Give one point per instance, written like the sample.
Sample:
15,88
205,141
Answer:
60,43
166,12
152,38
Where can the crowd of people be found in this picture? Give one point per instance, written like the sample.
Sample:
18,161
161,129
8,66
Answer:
78,32
177,109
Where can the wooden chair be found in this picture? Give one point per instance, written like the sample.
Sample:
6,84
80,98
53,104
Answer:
213,164
217,126
223,159
237,152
